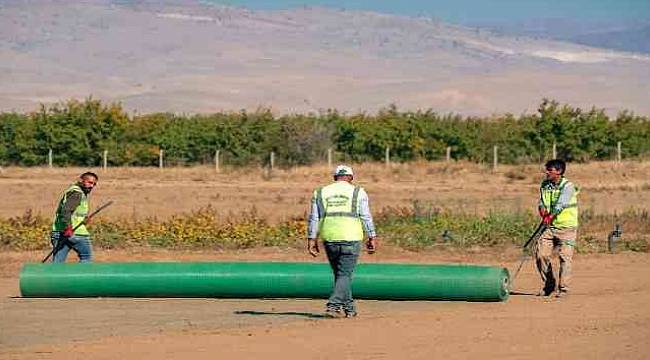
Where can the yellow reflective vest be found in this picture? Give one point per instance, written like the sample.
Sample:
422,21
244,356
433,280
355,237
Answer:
550,194
78,215
338,206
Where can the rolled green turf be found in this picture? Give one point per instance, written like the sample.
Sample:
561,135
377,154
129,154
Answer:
262,280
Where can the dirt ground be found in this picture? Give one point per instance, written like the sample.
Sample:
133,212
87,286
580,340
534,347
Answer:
606,187
605,317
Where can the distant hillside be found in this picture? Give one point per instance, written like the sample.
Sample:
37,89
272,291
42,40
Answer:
186,56
631,36
636,40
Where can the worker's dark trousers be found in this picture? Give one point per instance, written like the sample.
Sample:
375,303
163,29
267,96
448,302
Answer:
343,256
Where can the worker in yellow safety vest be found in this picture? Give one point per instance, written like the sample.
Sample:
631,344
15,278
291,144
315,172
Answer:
69,229
558,208
339,215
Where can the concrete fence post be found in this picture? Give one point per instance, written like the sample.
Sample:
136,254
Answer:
387,156
272,160
554,150
216,160
329,158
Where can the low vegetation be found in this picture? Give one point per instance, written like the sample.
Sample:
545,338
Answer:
418,227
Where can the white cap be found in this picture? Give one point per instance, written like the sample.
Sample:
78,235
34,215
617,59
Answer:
342,170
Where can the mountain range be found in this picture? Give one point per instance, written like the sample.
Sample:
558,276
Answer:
191,57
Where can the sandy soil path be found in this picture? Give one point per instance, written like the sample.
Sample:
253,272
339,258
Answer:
605,317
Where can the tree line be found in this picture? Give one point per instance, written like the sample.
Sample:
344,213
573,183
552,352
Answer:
78,132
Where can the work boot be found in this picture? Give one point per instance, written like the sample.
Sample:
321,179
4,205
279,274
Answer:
562,292
548,288
351,314
545,291
335,313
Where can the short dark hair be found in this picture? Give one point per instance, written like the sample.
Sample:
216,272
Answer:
556,164
87,174
336,177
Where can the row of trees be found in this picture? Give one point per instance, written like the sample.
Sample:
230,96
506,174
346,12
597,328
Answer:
78,132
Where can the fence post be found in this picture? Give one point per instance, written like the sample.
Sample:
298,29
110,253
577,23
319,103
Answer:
49,159
272,161
329,158
554,150
105,159
495,158
448,157
387,156
160,158
618,152
216,161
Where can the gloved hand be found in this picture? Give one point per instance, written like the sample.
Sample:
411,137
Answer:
548,219
371,245
68,232
543,212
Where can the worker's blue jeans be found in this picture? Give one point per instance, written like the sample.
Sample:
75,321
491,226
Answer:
342,256
79,243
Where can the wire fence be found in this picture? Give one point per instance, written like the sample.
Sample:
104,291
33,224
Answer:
331,158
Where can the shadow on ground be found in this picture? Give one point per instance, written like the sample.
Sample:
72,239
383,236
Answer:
283,313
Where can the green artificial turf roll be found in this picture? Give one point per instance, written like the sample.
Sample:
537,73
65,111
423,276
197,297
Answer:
262,280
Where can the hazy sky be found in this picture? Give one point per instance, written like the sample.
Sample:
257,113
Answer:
478,11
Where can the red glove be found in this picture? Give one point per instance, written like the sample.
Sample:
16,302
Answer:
543,212
548,219
68,232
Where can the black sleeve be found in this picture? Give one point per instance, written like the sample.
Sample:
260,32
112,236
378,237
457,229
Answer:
72,200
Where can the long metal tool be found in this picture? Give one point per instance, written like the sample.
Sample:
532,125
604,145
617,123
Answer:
538,232
63,242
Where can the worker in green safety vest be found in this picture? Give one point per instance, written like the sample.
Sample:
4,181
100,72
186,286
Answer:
558,208
340,213
69,229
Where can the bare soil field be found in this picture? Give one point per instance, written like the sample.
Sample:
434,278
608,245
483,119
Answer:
605,317
606,187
